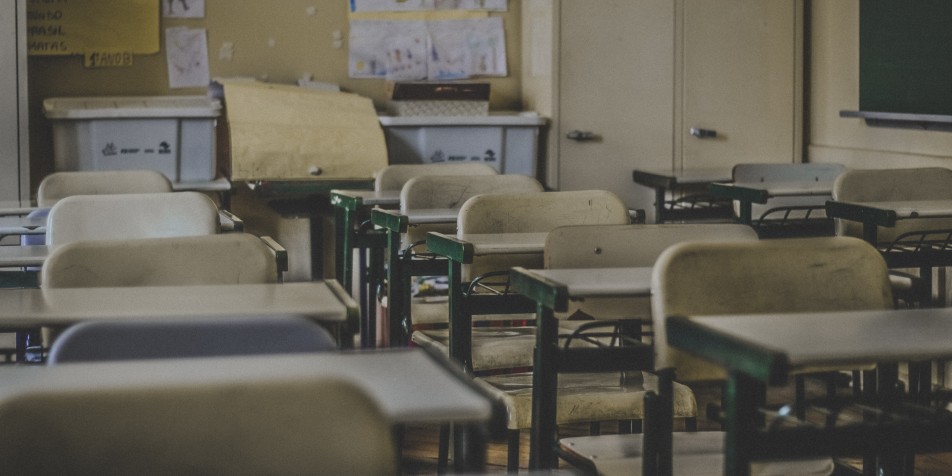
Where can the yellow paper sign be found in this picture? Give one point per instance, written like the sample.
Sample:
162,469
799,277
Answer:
78,27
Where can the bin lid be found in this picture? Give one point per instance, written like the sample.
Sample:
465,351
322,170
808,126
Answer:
499,119
130,106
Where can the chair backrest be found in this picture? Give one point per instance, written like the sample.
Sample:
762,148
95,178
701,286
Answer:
768,276
779,173
316,425
393,177
866,185
143,215
227,258
59,185
452,191
92,341
614,246
534,212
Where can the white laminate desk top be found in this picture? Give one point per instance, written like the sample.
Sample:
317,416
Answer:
844,339
64,306
408,385
16,207
20,256
789,189
600,282
22,225
694,176
428,216
373,197
914,208
505,243
220,184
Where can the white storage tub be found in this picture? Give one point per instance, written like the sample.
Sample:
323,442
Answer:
507,142
174,135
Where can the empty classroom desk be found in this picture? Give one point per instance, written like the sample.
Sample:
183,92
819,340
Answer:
552,290
789,198
685,203
307,198
409,385
768,349
924,249
322,301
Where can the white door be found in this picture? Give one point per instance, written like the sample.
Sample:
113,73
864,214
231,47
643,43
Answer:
14,161
741,79
616,81
639,74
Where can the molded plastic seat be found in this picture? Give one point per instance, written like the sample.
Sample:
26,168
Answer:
452,191
229,258
59,185
145,215
92,341
393,177
292,426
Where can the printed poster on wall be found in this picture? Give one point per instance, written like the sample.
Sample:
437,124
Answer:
424,5
106,33
433,50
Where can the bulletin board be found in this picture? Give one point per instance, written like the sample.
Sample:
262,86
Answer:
905,65
102,31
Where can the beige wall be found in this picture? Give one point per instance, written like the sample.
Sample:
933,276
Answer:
834,86
303,44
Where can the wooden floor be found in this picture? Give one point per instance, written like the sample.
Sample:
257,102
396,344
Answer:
421,443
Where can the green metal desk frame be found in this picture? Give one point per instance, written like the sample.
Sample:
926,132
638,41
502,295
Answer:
464,305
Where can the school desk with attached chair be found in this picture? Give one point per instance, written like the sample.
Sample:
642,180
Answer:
781,200
685,202
429,203
906,214
603,272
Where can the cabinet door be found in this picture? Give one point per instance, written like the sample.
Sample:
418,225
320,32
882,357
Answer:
741,78
639,74
616,81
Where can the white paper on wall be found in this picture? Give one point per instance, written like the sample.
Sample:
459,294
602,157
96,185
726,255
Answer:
187,56
424,5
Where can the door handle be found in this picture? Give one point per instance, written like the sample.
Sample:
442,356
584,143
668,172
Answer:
580,136
703,133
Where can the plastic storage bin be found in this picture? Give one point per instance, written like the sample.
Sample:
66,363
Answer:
174,135
508,142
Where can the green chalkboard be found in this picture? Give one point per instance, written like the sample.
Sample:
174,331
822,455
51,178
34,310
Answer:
906,56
